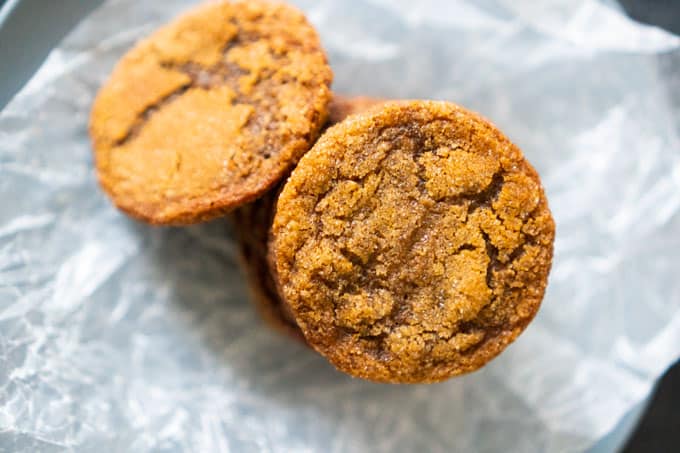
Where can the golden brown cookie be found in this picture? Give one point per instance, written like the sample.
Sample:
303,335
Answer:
252,222
343,106
412,243
210,111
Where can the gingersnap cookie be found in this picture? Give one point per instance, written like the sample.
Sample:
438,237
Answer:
210,111
343,106
412,243
252,222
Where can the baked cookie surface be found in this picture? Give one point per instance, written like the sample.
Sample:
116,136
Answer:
252,223
210,111
412,243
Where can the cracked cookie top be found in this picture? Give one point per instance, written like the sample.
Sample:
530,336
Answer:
210,111
412,243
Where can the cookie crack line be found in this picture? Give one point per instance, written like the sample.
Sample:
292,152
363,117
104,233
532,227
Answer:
199,77
144,117
463,328
391,318
486,197
492,253
196,75
347,331
359,180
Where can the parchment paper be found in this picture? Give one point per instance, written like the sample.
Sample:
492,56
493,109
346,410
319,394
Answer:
115,336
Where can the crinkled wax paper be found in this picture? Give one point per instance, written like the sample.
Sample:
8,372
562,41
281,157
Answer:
115,336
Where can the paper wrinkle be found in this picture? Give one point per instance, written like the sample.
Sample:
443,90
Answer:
459,13
590,24
117,336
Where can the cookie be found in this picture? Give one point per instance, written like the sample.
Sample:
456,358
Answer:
210,111
412,243
343,106
252,222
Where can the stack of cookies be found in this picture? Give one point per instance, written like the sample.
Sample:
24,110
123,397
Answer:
406,241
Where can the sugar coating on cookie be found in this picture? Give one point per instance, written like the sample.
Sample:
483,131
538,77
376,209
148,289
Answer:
252,223
412,243
210,111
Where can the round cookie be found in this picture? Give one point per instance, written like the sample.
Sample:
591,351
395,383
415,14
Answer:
252,222
412,243
210,111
